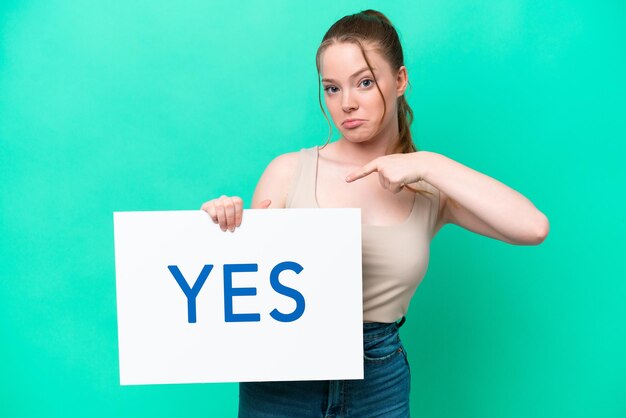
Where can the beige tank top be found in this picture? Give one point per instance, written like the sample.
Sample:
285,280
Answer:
395,257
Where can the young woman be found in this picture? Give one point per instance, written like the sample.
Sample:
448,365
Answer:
405,197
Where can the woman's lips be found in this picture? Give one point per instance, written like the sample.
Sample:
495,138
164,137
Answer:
350,124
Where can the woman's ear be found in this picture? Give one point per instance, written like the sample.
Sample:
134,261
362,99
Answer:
402,80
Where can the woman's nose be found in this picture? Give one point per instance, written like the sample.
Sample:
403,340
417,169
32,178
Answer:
348,103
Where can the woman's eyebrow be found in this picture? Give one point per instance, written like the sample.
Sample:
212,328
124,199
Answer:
352,76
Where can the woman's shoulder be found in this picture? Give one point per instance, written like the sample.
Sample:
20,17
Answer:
284,166
289,160
277,179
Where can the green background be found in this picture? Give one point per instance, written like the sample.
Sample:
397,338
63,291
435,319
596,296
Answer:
156,105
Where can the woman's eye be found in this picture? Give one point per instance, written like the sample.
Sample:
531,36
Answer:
368,81
330,90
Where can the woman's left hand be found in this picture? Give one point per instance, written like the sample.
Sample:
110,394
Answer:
394,170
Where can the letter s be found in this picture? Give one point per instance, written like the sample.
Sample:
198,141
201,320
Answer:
287,291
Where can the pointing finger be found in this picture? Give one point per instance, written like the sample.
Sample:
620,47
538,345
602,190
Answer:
367,169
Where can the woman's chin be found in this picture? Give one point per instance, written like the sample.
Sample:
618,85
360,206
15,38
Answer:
355,137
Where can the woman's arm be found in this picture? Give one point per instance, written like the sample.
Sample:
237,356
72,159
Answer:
275,181
468,198
481,203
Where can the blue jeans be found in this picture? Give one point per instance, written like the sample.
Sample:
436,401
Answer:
384,392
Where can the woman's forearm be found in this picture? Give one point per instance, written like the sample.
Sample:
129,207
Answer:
496,204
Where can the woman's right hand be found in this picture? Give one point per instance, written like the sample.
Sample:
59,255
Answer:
227,211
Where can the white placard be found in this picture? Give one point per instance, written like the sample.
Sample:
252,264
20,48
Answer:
278,299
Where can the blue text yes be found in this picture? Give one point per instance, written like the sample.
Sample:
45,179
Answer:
229,291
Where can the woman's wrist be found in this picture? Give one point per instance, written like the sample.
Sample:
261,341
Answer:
425,163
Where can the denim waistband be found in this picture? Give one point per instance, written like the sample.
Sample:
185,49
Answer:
374,330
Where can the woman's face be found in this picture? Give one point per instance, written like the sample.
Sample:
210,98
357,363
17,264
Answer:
350,91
